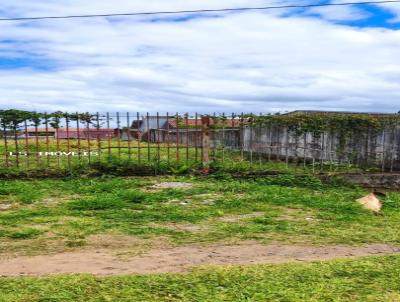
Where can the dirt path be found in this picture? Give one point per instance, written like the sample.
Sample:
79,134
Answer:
180,259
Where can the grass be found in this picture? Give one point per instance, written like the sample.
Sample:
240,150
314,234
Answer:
366,279
66,213
119,157
56,215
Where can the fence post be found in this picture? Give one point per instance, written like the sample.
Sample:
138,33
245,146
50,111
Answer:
205,129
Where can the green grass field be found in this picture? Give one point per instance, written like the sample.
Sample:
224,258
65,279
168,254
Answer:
369,279
45,217
68,211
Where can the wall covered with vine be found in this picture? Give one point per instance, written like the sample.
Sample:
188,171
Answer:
364,138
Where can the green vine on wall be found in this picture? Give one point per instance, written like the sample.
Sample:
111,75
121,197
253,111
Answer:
318,123
349,128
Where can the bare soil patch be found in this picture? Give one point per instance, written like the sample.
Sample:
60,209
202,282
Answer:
180,259
56,200
5,207
290,214
166,185
172,185
238,218
186,227
104,241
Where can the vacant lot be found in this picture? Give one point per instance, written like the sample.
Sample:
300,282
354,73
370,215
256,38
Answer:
131,226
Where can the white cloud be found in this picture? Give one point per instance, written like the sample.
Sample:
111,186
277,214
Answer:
339,13
252,61
394,8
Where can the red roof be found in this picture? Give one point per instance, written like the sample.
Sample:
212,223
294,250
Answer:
69,129
86,134
191,122
39,130
73,133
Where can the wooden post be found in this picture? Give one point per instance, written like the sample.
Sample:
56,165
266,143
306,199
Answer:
205,129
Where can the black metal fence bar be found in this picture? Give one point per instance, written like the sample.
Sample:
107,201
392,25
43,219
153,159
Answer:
36,122
46,122
158,139
78,134
26,143
6,146
118,136
129,137
68,142
108,137
88,137
196,139
187,136
98,138
168,139
139,138
148,136
177,137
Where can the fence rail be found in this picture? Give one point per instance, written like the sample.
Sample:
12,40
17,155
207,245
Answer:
62,140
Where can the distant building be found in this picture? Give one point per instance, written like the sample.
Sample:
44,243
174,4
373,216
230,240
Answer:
38,132
71,133
193,123
91,133
140,129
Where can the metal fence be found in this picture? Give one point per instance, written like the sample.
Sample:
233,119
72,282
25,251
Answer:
62,140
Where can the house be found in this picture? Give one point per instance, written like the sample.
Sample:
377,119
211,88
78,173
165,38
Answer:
193,123
38,133
72,133
148,126
149,122
88,133
139,128
9,134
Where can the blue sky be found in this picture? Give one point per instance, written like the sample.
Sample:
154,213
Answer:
375,16
336,58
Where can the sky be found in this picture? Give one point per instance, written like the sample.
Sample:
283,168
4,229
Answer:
325,58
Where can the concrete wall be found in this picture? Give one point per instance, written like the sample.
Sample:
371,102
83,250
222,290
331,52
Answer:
380,149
